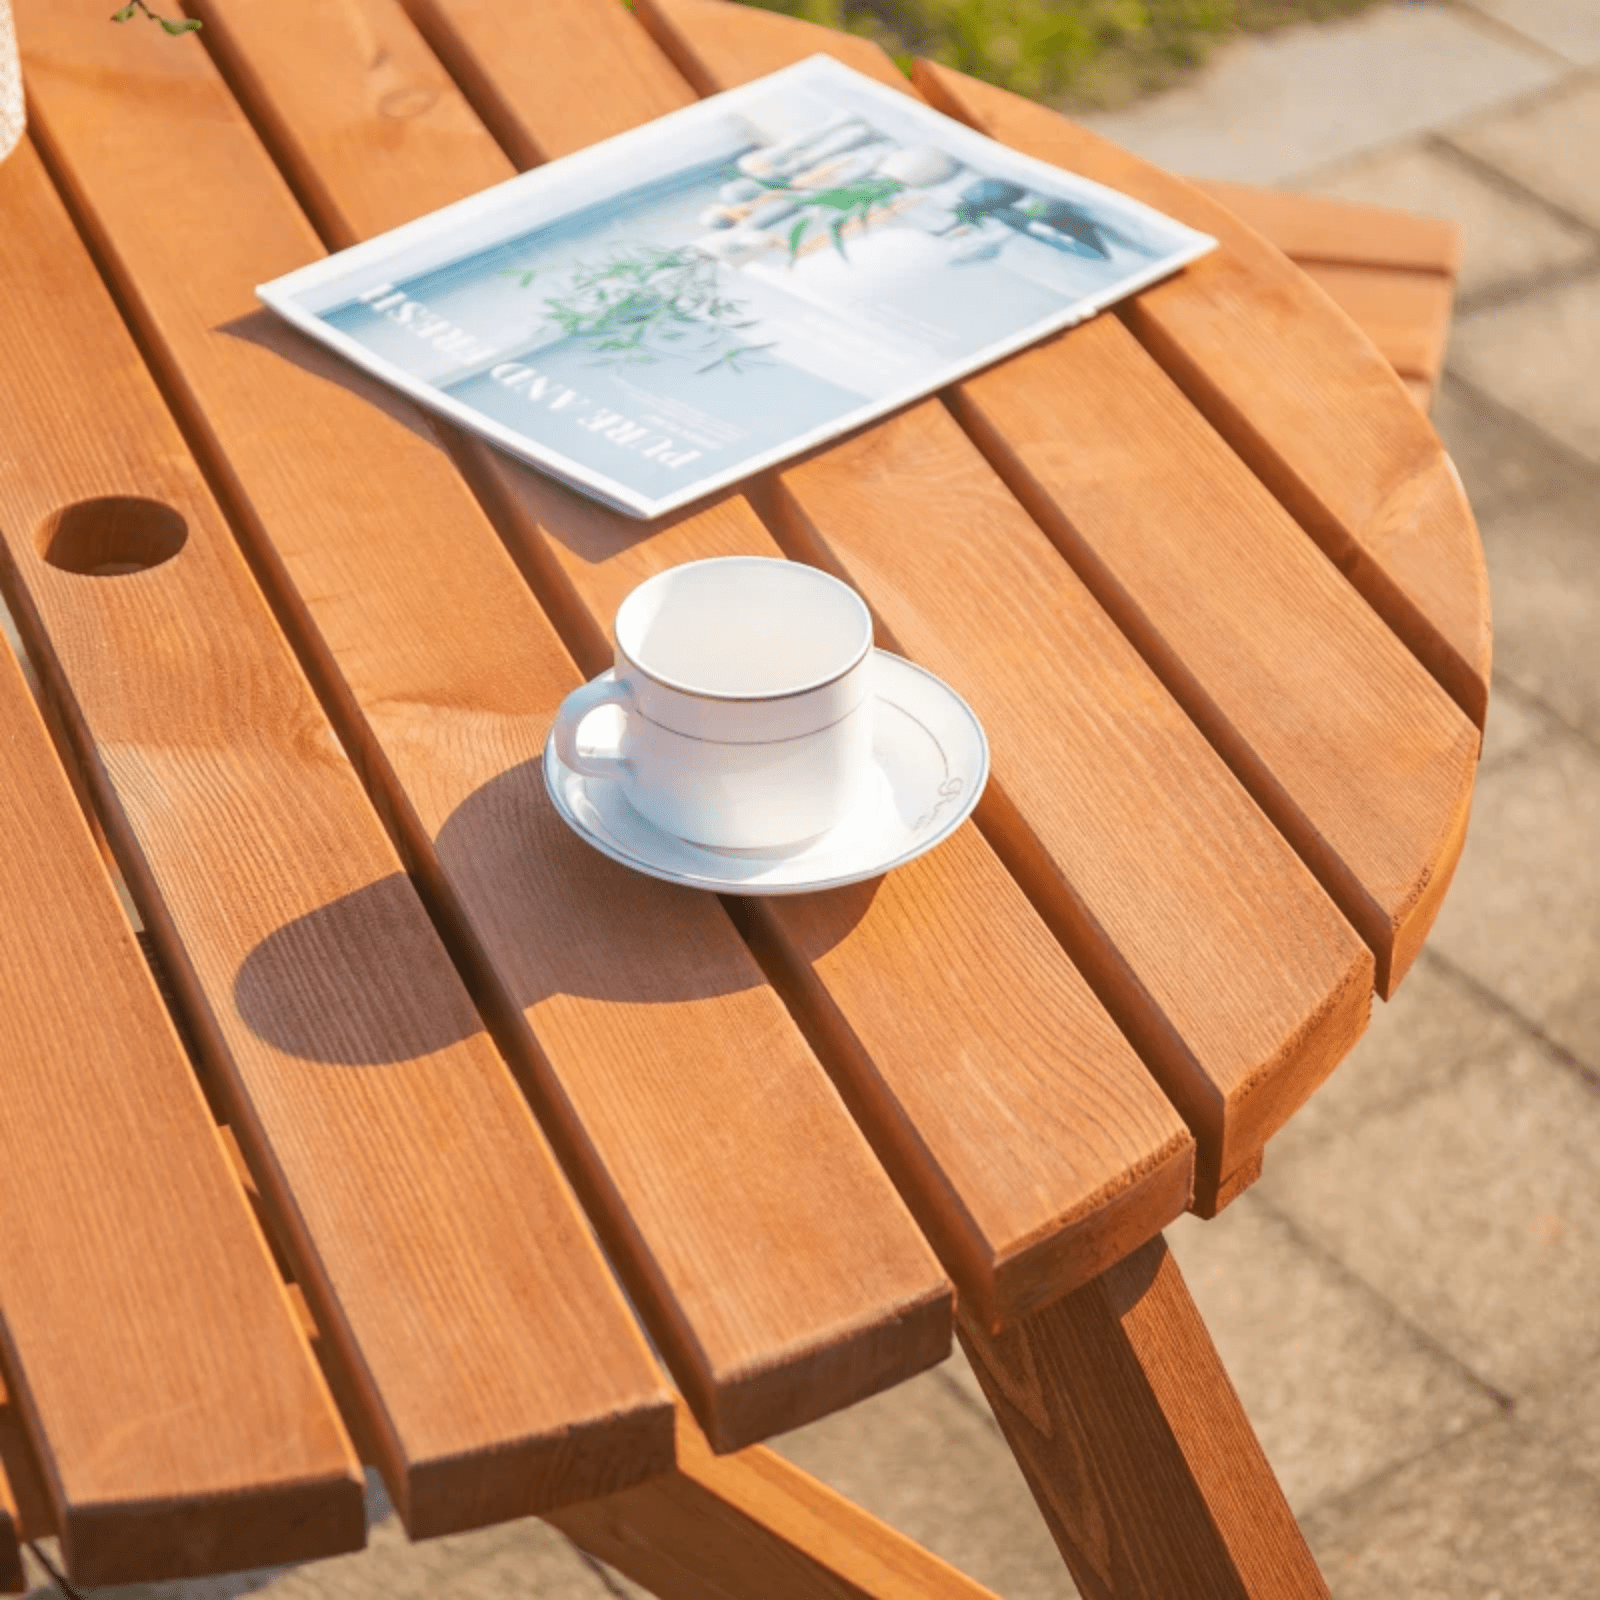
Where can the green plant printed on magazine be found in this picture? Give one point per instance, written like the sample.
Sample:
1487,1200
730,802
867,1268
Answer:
665,313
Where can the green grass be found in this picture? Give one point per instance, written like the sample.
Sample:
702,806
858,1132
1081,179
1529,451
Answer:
1073,53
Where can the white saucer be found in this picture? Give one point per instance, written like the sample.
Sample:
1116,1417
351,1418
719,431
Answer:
930,763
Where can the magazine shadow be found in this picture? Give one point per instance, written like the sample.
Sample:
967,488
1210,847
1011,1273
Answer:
334,986
269,331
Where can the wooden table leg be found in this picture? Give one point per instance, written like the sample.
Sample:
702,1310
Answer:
1120,1414
750,1526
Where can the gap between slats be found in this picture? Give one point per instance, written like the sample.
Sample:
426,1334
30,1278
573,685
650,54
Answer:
876,1337
1388,887
1132,1201
546,577
1411,551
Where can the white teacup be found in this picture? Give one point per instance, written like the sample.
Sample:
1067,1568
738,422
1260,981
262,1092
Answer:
746,698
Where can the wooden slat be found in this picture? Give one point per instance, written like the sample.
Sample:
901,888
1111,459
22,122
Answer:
1038,1149
1344,741
1141,1458
1405,314
13,1522
1324,423
137,1301
778,1268
1354,752
484,43
1315,227
1237,1052
722,47
736,1527
447,1261
1240,1023
1308,228
1350,748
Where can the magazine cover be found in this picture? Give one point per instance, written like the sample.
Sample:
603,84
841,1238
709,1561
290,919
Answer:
665,313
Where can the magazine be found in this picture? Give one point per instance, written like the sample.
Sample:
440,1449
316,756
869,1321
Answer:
667,312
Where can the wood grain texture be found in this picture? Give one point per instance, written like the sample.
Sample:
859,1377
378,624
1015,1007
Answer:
1317,227
1319,418
1131,1437
180,1420
1353,751
1356,754
779,1270
1405,314
1246,987
723,47
450,1268
577,91
1029,1142
1393,273
750,1524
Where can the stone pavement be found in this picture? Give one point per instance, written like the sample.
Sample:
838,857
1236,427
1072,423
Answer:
1409,1301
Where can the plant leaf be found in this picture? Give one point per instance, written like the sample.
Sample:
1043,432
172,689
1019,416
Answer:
187,25
125,14
796,234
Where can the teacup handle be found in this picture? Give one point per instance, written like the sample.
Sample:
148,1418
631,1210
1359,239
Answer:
575,709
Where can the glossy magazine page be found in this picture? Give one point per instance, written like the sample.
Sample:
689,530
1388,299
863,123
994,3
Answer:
661,315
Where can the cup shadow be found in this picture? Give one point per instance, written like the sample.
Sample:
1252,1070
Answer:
349,983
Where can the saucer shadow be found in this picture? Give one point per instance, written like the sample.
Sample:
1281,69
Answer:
359,981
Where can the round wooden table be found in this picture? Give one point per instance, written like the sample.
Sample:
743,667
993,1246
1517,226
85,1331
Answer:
1201,567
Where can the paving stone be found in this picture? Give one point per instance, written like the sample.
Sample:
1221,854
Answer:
1523,916
1337,1387
1515,724
1570,1417
957,1373
1496,1515
1547,145
1473,1209
1544,576
1419,1042
1502,458
1539,356
924,1461
1291,102
1505,239
1570,27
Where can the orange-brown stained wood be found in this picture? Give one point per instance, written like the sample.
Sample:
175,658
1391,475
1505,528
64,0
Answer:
1030,1143
1353,751
1316,227
1405,314
1393,273
1357,755
1319,418
13,1580
752,1524
602,60
1245,987
451,1269
715,46
182,1425
779,1269
1136,1448
1237,1053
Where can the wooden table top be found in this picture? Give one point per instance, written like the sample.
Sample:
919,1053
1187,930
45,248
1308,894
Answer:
1201,567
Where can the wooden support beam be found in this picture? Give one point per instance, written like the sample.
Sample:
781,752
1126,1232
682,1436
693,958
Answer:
1118,1410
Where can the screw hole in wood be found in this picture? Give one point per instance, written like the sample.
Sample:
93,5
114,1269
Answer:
113,535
